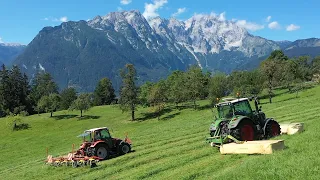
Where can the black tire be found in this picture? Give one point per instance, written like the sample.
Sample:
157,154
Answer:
102,151
245,131
272,129
124,148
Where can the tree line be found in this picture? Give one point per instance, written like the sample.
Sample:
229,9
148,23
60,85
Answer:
195,84
41,94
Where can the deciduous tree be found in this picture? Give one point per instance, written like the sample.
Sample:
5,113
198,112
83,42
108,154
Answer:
49,103
82,103
128,91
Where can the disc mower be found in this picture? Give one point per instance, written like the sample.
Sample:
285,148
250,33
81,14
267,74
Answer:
97,145
238,122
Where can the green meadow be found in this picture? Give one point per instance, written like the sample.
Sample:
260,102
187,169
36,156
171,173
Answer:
170,148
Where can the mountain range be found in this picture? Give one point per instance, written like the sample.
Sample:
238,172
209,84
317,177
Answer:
9,51
79,53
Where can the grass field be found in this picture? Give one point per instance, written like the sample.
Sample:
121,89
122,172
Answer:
172,148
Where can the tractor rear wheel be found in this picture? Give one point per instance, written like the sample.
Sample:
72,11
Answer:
245,131
102,151
124,148
272,129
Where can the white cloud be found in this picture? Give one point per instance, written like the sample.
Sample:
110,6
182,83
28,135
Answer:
1,41
274,25
179,11
64,19
292,27
268,19
125,2
150,10
249,25
119,8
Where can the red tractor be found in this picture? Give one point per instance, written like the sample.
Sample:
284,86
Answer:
98,142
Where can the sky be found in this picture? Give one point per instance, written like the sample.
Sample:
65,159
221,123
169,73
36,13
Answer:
21,20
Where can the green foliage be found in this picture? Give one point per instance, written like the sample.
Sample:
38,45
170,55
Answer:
316,65
14,91
272,68
195,84
128,92
42,85
218,87
68,95
104,93
158,96
144,90
49,103
177,87
247,83
82,103
12,120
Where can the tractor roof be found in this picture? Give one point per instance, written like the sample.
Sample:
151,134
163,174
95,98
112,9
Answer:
231,100
95,129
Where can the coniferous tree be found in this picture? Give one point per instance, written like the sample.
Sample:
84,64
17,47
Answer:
4,91
104,93
68,95
42,85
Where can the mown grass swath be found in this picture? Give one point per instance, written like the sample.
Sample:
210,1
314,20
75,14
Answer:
171,148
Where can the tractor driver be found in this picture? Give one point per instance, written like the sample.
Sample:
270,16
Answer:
230,113
97,135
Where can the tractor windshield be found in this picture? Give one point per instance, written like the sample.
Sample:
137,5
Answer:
86,136
242,108
225,111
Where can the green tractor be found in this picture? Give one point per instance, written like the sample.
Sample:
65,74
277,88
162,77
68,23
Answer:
237,121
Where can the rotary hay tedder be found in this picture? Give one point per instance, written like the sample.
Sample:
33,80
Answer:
72,160
97,145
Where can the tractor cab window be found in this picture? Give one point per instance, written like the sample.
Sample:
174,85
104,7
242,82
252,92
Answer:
242,108
105,134
225,111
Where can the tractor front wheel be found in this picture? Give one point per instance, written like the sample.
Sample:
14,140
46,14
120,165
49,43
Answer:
101,151
245,131
124,148
272,129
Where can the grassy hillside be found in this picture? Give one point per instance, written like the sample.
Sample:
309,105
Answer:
172,148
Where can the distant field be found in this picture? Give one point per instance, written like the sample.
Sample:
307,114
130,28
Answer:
172,148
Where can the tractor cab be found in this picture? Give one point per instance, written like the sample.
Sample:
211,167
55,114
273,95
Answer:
234,107
96,134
